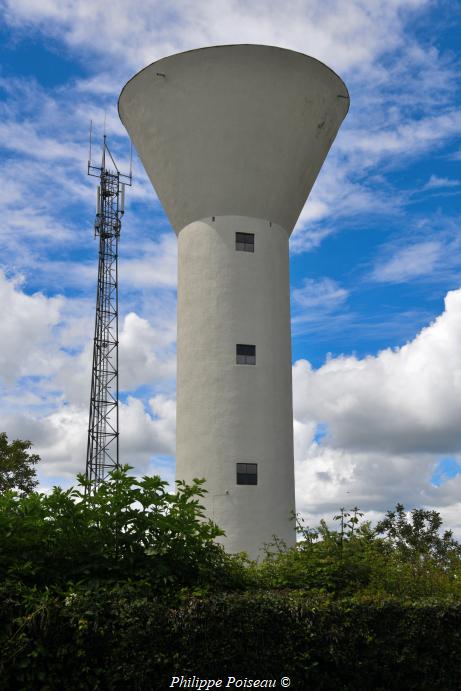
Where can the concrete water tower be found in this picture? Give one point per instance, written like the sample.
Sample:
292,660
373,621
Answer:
233,138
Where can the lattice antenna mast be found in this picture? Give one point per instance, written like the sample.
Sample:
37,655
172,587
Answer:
103,429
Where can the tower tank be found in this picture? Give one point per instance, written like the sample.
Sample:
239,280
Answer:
232,138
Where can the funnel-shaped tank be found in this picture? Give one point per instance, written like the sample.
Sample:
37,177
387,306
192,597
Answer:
232,138
238,129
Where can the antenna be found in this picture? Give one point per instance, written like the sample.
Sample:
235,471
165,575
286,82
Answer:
103,428
89,153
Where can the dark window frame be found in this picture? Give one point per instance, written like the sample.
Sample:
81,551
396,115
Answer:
247,474
245,354
245,242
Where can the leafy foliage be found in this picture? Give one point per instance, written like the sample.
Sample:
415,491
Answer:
115,639
403,556
127,529
123,587
418,539
17,465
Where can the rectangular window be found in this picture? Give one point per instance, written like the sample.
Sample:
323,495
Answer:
246,354
247,473
245,242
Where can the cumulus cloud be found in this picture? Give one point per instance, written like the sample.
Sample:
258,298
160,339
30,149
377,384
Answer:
405,399
140,344
28,324
152,264
60,437
45,360
389,418
147,432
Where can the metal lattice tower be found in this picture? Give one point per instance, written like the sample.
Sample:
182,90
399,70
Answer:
103,428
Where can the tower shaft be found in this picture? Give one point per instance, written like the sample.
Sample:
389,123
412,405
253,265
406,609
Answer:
234,409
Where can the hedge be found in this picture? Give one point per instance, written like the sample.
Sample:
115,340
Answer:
112,640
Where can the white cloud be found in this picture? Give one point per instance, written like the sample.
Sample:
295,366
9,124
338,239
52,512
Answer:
324,293
23,138
60,437
406,139
328,478
47,199
306,238
343,35
318,306
61,442
350,37
151,263
436,182
45,359
407,399
389,417
338,193
28,323
147,433
139,346
410,262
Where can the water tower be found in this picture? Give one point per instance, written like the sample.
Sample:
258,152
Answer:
233,138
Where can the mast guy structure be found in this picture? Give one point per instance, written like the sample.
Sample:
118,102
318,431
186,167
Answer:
103,429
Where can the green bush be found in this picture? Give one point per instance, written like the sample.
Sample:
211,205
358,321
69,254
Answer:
17,469
402,557
125,587
113,639
127,529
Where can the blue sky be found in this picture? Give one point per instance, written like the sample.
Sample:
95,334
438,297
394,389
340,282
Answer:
375,257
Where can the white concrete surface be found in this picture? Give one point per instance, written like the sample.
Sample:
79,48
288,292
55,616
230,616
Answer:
229,413
232,138
234,130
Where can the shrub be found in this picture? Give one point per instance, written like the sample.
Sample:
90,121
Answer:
113,639
127,529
